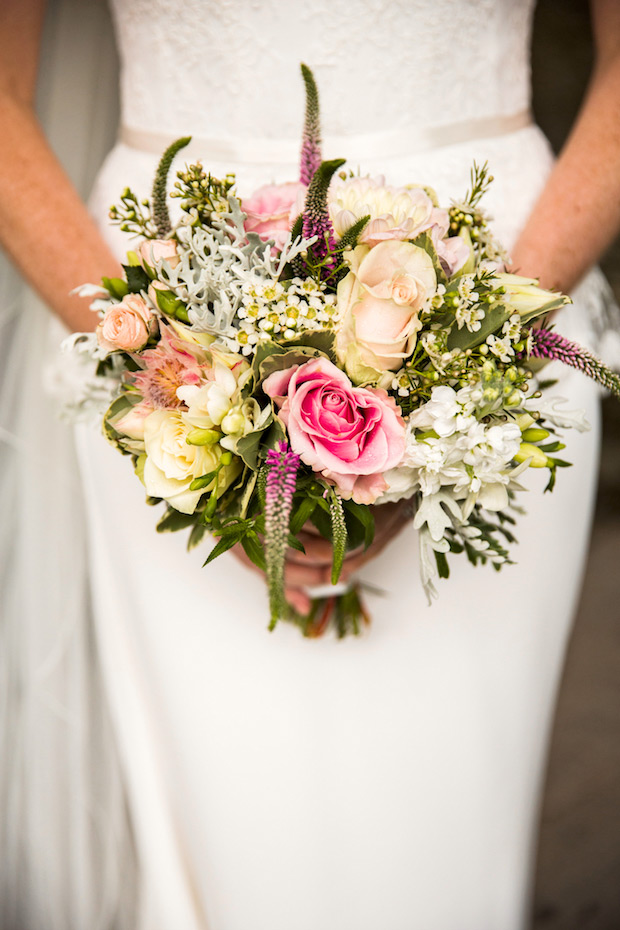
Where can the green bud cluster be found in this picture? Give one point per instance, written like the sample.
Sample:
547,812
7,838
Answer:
201,194
133,215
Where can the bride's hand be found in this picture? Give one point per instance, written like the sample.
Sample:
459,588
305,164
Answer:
306,570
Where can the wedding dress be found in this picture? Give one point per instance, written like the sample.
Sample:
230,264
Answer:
390,780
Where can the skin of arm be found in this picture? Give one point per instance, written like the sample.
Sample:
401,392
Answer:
44,226
578,213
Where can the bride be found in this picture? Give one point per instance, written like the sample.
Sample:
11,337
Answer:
272,782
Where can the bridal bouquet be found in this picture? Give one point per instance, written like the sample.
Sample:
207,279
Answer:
320,347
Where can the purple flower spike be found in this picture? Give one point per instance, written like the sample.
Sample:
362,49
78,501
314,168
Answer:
311,139
282,464
545,343
316,221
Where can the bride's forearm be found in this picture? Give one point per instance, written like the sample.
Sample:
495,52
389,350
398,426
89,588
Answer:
578,213
44,226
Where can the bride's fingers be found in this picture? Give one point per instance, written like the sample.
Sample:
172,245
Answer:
318,550
298,600
305,576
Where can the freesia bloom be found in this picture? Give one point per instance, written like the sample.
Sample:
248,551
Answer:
126,325
350,435
525,296
395,212
217,404
172,463
380,300
272,210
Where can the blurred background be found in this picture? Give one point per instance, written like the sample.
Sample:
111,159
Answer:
578,874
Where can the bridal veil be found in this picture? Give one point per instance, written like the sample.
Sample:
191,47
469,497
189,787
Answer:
65,846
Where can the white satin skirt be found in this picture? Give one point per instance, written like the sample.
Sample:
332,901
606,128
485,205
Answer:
386,781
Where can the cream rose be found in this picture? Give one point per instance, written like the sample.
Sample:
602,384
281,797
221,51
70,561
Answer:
172,463
379,302
126,325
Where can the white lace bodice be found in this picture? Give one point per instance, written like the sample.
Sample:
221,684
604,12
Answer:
230,68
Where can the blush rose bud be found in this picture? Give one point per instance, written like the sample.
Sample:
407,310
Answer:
127,325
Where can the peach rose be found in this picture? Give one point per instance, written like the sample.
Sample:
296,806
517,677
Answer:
126,325
380,300
156,250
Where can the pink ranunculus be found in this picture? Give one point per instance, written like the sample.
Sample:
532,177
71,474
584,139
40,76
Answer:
126,325
452,251
272,210
350,435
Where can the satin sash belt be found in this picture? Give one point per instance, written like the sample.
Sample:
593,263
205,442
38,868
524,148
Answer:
401,142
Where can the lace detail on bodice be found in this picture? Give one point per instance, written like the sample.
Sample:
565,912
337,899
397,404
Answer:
230,68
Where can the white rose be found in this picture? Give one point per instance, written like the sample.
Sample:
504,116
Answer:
172,463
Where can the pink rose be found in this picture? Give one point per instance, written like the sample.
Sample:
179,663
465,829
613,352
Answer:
351,435
272,210
127,325
157,250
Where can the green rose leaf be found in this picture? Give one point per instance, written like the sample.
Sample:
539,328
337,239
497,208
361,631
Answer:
137,278
494,318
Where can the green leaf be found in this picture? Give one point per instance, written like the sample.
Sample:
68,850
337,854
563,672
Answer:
116,287
320,339
296,356
248,446
137,278
265,350
321,519
495,317
246,494
117,409
275,434
254,550
293,543
424,241
363,515
351,236
221,546
138,467
552,446
302,514
554,304
174,520
442,564
196,535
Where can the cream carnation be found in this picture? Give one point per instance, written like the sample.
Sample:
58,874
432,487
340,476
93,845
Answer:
395,212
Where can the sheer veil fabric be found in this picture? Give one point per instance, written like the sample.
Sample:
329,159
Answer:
65,844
